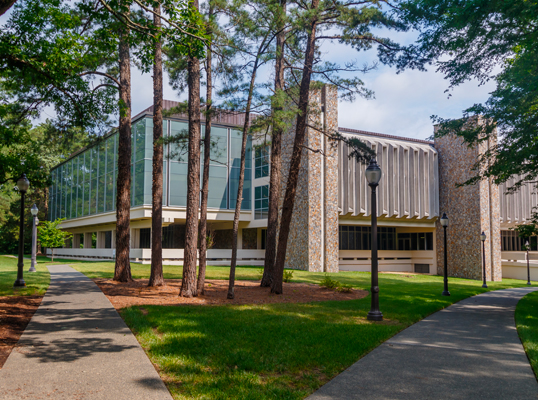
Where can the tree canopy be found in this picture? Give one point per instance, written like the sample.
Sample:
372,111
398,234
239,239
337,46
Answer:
484,40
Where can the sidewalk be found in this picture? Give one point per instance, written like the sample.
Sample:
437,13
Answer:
77,347
470,350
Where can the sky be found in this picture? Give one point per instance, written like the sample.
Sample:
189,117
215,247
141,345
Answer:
402,105
403,102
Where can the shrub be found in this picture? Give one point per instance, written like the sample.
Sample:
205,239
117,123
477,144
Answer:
335,285
344,288
329,283
288,275
260,274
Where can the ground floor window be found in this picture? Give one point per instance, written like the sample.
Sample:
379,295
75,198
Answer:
264,238
359,238
145,238
510,241
108,239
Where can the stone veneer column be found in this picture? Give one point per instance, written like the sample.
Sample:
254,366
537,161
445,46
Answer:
471,210
313,240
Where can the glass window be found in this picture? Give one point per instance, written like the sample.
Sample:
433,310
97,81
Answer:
236,138
217,196
138,183
178,132
178,184
234,186
145,238
261,161
108,239
148,181
219,146
139,132
261,202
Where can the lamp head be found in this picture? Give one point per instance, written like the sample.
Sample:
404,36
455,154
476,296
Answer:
444,220
373,173
483,237
527,244
34,210
23,183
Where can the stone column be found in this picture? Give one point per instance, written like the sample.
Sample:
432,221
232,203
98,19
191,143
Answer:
471,210
313,240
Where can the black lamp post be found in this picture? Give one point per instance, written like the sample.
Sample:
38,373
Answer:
444,223
483,239
373,175
23,184
35,221
528,266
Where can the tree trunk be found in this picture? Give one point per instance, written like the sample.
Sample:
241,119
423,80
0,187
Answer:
207,154
122,270
295,162
276,157
188,283
231,282
156,276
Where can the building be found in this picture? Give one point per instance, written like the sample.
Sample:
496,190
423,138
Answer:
331,223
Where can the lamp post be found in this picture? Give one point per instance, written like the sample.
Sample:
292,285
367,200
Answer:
373,175
34,212
483,239
23,184
444,223
528,266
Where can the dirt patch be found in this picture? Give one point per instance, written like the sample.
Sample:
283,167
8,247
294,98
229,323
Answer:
246,292
15,313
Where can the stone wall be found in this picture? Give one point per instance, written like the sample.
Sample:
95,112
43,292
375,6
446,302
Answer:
471,210
313,240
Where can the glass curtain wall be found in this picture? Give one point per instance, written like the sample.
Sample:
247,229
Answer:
86,184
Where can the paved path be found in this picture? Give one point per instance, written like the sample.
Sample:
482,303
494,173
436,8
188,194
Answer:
469,350
77,347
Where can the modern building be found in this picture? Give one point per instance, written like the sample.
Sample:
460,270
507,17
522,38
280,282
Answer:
331,221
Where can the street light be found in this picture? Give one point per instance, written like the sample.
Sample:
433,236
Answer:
483,239
373,175
444,223
34,212
528,266
23,184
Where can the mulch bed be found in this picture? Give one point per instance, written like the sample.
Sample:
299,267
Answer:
15,313
246,292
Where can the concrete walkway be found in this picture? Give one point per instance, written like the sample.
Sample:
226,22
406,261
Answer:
470,350
77,347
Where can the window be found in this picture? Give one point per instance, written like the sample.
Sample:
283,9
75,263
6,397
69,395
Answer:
359,238
264,238
108,239
261,161
261,200
510,241
145,238
415,241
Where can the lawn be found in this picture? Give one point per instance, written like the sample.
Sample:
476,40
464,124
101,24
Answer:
527,327
36,282
282,350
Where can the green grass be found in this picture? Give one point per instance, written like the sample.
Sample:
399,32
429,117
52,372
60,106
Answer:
527,327
282,350
36,282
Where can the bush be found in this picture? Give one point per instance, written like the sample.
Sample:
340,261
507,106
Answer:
333,284
260,274
288,275
329,283
344,288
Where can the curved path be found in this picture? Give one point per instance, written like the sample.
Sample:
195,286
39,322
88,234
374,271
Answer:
470,350
76,346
